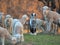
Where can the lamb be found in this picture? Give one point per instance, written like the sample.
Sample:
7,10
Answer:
17,30
24,19
4,34
40,24
35,23
2,17
8,23
52,16
17,27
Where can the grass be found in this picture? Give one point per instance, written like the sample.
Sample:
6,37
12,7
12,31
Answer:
43,39
40,39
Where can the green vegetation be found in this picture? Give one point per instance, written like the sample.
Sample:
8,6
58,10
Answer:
40,39
43,39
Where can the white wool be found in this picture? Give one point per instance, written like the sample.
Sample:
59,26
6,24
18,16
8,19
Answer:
8,16
45,7
33,13
24,16
14,38
18,37
17,22
23,19
1,13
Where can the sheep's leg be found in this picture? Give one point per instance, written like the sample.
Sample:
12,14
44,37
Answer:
56,29
10,30
22,38
3,40
42,29
53,26
11,23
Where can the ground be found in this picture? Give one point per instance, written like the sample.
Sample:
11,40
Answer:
40,39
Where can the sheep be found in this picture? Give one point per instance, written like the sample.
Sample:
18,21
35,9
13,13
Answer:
35,23
40,24
24,19
2,17
4,34
52,16
18,28
8,23
55,18
18,25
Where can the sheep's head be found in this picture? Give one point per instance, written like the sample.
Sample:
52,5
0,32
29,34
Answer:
8,16
8,20
25,17
33,15
19,38
46,10
14,40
